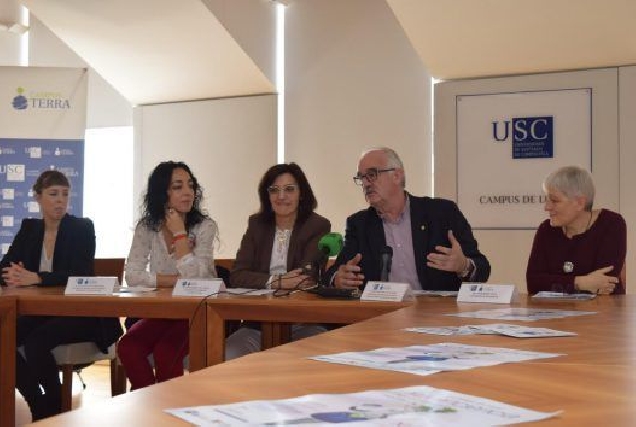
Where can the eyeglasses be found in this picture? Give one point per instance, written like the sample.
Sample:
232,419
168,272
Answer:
304,284
371,175
286,189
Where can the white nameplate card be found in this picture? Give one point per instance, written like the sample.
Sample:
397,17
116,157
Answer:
484,292
198,287
90,285
386,291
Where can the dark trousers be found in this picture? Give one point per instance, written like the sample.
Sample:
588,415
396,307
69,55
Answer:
37,376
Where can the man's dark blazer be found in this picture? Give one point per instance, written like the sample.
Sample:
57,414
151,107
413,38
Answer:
253,258
430,221
74,255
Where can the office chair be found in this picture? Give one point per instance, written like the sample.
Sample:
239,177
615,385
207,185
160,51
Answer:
76,356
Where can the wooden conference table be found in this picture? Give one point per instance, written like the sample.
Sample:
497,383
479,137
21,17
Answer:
207,339
277,313
593,383
53,302
7,359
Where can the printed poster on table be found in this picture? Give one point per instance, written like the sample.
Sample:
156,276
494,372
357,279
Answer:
521,313
507,143
42,126
432,358
409,406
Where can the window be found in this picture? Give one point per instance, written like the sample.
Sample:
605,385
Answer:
108,188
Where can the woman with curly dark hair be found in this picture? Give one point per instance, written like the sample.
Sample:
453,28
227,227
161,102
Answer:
173,239
280,239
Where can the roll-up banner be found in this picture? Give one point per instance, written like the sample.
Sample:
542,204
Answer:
42,126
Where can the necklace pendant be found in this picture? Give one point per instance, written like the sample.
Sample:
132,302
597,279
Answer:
568,267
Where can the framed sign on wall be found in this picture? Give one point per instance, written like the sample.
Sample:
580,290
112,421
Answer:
507,143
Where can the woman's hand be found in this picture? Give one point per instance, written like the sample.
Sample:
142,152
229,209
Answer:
291,280
16,275
174,221
597,282
166,280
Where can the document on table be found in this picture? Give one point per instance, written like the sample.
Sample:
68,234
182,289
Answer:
248,291
433,358
520,313
562,296
409,406
428,292
134,290
506,329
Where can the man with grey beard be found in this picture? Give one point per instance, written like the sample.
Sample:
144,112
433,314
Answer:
432,243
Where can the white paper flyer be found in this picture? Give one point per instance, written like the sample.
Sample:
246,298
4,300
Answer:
520,313
411,406
432,358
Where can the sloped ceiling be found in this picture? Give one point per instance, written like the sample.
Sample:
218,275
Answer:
469,38
154,51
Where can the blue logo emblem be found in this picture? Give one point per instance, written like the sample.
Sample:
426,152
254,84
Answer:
20,102
40,100
532,137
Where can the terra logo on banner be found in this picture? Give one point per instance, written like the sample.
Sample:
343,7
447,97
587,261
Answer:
40,100
532,137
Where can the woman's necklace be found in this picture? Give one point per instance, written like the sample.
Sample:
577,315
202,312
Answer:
282,236
568,266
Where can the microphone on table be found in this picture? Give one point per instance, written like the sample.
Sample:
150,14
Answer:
329,245
386,256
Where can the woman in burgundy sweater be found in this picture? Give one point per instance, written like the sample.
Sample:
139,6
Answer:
578,249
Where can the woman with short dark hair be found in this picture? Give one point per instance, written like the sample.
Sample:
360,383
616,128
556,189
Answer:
45,252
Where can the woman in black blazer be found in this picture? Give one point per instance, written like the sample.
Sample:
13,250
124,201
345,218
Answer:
45,252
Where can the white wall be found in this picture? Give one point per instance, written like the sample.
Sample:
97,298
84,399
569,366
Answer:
9,42
353,81
508,250
253,25
105,106
227,143
627,126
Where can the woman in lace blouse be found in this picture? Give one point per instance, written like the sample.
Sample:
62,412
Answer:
173,239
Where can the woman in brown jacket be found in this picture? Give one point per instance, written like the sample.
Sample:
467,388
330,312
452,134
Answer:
280,240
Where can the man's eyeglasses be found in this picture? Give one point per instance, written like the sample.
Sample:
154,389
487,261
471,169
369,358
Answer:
285,189
371,175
